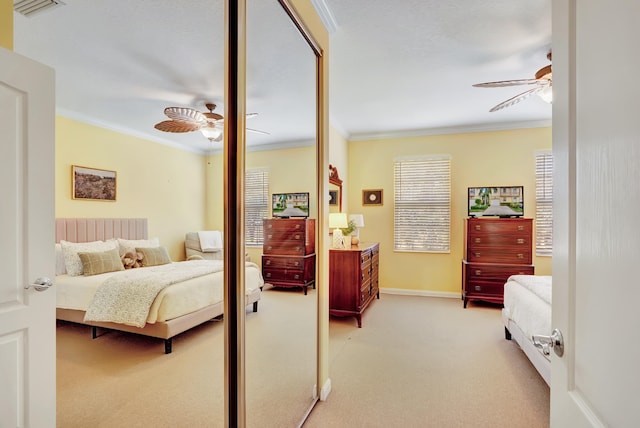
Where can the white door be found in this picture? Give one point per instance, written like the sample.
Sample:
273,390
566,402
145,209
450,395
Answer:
596,147
27,316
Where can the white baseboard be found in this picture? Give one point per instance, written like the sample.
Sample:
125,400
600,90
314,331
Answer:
326,390
421,293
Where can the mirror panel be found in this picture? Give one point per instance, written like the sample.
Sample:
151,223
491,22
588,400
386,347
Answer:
281,345
335,190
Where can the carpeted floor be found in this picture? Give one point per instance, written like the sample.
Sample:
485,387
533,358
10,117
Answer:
427,362
417,362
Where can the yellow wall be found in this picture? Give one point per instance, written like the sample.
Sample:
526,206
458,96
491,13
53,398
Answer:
6,24
478,159
290,170
161,183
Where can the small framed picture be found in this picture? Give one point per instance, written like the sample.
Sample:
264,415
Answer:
93,184
333,197
372,197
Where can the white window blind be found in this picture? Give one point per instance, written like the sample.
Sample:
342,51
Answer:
422,203
544,203
256,203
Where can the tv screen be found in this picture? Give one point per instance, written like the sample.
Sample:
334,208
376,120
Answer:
500,201
285,205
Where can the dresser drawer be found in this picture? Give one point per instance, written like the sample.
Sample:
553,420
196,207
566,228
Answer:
483,240
283,262
284,235
485,288
490,226
283,275
499,255
284,248
289,225
498,274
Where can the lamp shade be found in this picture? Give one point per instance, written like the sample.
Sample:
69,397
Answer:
357,219
338,220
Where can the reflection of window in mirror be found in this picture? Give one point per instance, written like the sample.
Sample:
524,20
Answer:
335,190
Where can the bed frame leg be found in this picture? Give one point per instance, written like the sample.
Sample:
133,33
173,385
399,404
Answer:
507,334
255,306
167,345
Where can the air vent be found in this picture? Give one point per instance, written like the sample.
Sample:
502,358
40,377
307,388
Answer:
30,7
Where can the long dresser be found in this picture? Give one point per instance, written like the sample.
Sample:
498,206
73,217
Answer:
289,252
495,249
353,279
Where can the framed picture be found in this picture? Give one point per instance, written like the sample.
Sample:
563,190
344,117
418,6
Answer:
372,197
333,197
93,184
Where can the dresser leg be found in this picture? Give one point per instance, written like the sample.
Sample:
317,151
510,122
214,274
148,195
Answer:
465,303
359,318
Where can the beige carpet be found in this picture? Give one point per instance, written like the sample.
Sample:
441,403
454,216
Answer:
417,362
427,362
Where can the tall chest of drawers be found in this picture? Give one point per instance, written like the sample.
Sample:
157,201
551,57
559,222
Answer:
495,248
353,279
289,252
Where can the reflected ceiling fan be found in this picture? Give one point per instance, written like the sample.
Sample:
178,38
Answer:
210,124
542,82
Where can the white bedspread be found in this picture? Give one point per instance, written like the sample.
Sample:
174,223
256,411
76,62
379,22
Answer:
127,298
527,301
76,292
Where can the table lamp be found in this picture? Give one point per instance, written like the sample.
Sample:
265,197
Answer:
338,221
358,221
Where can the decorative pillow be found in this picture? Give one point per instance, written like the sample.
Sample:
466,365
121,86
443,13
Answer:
131,244
70,251
60,267
101,262
154,256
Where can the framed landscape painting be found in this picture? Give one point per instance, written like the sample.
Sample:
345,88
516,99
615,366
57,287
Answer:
93,184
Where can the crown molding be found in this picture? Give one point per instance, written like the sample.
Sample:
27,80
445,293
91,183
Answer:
326,16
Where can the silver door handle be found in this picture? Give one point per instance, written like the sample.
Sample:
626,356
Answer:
554,341
40,284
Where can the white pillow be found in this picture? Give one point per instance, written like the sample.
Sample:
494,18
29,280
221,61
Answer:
60,267
132,244
70,251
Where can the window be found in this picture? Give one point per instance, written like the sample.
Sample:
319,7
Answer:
256,202
544,203
422,203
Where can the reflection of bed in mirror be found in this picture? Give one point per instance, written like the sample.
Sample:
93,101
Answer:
527,312
190,295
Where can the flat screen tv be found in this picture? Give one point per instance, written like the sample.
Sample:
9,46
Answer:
498,201
285,205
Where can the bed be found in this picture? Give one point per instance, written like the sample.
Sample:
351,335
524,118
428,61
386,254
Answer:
177,295
527,312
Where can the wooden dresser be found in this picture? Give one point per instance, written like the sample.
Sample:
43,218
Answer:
289,253
495,248
353,279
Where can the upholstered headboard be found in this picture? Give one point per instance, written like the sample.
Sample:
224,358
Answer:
100,229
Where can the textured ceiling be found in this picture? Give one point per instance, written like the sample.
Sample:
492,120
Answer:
396,67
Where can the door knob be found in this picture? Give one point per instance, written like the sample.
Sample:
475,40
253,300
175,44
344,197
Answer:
554,341
40,284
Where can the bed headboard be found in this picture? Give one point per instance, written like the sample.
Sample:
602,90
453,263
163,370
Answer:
100,229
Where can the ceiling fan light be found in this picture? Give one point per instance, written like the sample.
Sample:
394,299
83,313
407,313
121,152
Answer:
211,132
546,94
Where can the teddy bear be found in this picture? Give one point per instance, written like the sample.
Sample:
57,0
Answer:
132,259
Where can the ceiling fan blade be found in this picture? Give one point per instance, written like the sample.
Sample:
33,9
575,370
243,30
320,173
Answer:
502,83
176,126
184,114
257,131
518,98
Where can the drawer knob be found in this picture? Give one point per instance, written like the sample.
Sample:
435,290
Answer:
296,263
297,226
268,262
520,227
296,277
268,275
478,240
478,272
296,236
476,254
478,288
478,227
521,256
520,241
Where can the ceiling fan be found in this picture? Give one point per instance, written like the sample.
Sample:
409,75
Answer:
542,82
210,124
